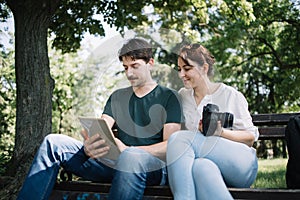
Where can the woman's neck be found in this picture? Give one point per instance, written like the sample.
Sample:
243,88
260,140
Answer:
201,91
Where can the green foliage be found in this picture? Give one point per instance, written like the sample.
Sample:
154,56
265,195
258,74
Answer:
65,71
261,58
82,85
4,11
74,18
256,43
7,107
257,47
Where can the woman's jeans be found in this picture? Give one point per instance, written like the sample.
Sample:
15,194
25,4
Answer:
134,169
202,167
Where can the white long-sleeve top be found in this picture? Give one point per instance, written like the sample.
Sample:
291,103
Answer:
227,98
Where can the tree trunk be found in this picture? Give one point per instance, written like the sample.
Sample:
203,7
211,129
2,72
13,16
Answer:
34,85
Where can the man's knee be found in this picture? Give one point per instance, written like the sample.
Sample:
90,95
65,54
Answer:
134,160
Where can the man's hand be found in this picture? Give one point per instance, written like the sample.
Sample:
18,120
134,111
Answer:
95,146
120,144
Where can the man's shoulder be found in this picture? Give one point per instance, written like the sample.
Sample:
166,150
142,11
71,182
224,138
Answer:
165,89
123,90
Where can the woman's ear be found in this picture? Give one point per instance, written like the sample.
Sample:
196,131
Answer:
205,67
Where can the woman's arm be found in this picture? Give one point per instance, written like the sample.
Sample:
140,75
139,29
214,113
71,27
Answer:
242,136
245,137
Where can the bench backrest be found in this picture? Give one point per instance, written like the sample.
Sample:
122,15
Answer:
272,126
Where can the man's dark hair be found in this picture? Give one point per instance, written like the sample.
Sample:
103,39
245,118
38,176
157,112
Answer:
136,49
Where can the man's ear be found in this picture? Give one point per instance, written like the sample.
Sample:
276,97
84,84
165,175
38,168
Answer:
151,61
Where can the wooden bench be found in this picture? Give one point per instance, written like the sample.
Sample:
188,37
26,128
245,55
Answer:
271,126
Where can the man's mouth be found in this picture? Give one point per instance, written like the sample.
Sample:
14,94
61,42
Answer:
132,78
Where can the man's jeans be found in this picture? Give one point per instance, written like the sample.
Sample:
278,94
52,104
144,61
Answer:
134,169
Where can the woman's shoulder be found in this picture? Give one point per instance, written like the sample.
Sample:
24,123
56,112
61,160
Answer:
232,93
230,89
184,91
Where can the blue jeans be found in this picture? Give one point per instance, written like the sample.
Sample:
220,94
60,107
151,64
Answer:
202,167
131,173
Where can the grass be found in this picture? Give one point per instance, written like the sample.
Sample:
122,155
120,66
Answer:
271,173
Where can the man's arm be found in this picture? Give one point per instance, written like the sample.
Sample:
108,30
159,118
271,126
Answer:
159,149
109,120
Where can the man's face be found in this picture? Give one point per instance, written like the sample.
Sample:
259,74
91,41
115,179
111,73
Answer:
137,71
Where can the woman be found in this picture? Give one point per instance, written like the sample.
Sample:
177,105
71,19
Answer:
202,167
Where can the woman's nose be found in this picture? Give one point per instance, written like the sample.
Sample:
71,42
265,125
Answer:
181,73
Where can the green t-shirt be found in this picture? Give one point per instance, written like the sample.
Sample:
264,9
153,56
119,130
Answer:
140,121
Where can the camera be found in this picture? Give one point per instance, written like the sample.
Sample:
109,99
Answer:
211,116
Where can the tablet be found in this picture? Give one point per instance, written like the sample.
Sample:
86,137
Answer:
99,126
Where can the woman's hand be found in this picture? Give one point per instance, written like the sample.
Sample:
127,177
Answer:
219,129
241,136
200,126
95,146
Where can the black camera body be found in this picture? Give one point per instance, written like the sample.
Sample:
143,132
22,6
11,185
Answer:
211,116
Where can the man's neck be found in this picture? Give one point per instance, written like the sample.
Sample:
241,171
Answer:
145,89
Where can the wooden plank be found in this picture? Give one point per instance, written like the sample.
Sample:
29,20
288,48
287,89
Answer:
271,133
75,195
265,194
75,189
272,119
87,186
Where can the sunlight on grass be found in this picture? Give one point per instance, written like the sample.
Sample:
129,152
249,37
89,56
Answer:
271,173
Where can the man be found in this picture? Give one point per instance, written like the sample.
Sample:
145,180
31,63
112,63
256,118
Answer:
145,114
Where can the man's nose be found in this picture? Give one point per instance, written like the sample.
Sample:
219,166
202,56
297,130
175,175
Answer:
129,71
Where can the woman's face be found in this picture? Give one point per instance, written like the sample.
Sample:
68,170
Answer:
191,74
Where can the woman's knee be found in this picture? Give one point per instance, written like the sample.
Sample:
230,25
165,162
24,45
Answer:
180,137
203,167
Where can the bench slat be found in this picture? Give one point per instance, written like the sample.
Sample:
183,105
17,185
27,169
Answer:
272,119
264,194
271,133
74,189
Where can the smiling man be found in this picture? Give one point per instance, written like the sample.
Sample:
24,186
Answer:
145,115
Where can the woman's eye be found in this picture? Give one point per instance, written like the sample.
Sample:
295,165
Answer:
187,68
